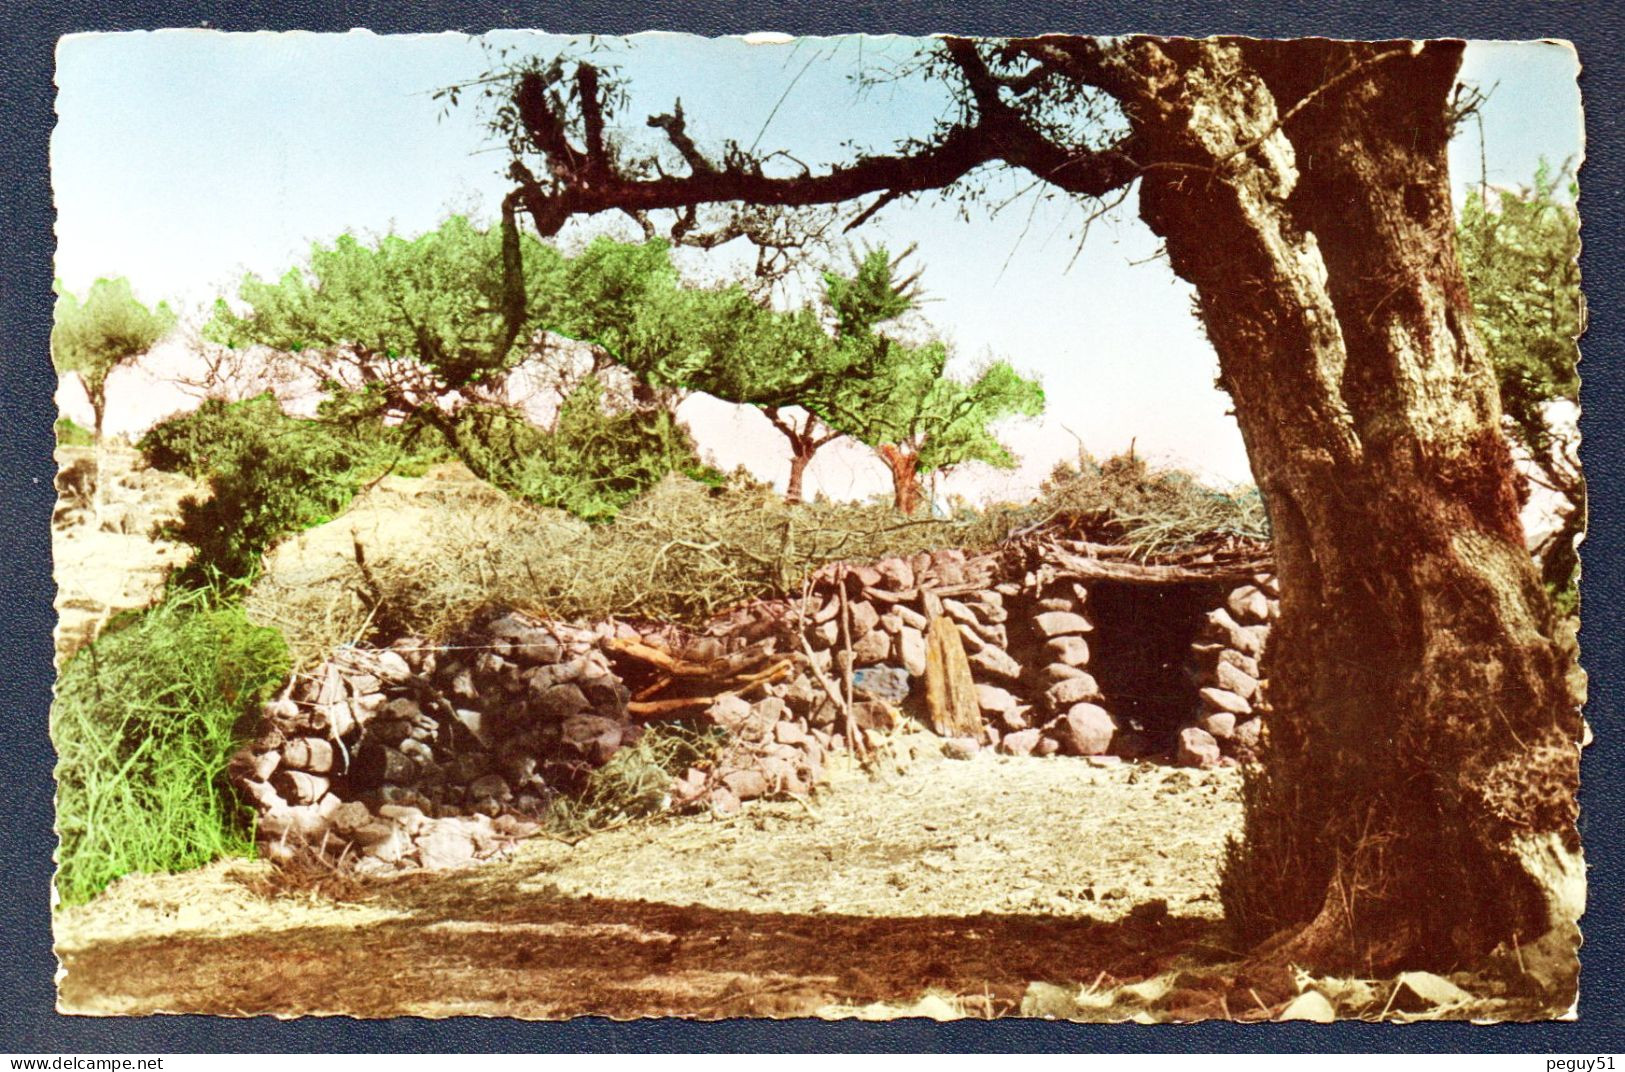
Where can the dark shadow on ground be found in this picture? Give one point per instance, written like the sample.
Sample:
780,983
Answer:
470,943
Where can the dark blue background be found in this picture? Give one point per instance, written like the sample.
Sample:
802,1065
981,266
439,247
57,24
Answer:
28,1022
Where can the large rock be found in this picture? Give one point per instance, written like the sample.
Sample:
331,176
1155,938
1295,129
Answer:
449,844
1076,690
1070,650
872,647
997,662
1248,604
1020,743
1224,700
994,700
864,618
559,702
1220,724
1197,748
1057,623
1085,730
746,784
1060,672
1245,663
1248,733
729,711
911,650
889,684
895,574
961,747
1227,676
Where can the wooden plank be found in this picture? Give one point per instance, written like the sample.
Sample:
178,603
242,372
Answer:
950,691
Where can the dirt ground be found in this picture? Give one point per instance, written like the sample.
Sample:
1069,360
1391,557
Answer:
931,887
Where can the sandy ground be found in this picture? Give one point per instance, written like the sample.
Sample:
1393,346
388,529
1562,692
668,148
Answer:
960,883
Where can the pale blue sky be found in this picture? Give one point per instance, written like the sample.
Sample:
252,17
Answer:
182,159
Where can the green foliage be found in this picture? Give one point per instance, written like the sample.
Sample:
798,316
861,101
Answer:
69,433
1521,259
269,475
93,337
1520,253
144,722
591,464
897,398
439,298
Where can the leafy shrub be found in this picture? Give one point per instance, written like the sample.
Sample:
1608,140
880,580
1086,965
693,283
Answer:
269,475
70,433
590,464
144,721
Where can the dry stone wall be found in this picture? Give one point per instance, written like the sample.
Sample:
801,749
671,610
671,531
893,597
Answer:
437,755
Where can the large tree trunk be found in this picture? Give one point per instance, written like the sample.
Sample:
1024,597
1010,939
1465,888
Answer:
1419,795
905,478
799,458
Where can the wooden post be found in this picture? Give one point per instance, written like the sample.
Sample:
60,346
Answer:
950,691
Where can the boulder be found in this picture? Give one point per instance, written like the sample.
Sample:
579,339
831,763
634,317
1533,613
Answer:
1228,676
1248,604
873,715
1220,724
490,785
1020,743
994,700
1245,663
1224,700
895,574
959,612
997,662
446,845
1197,748
746,784
1085,730
1056,623
872,647
1070,650
961,747
729,711
911,649
1074,690
559,702
1248,732
865,618
1059,672
889,684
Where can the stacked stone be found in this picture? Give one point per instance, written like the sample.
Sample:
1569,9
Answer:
777,748
1062,712
1231,683
431,755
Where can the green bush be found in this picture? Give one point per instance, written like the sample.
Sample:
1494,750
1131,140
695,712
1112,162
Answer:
144,722
269,475
591,464
70,433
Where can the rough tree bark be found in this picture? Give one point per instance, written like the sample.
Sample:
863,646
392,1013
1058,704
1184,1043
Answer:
1419,796
905,477
1424,746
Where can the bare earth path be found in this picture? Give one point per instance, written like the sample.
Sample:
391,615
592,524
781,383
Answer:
968,880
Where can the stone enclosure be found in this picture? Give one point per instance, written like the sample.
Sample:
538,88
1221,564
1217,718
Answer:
435,754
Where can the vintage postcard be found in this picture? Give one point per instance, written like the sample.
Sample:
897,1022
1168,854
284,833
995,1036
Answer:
854,527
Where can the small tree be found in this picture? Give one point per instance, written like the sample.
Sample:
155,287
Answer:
96,336
1520,250
895,396
426,331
